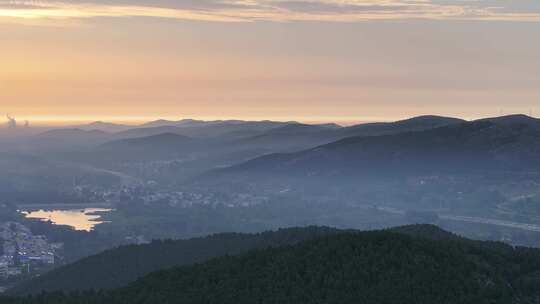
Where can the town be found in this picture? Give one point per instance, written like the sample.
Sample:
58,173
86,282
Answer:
23,252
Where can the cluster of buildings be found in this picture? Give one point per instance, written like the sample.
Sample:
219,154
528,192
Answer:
191,199
178,199
21,250
147,194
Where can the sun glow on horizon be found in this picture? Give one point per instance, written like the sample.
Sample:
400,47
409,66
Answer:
266,10
59,121
132,61
136,120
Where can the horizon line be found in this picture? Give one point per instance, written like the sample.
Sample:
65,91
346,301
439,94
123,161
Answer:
59,121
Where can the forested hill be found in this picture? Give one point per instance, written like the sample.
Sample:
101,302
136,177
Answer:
467,148
120,266
351,267
123,265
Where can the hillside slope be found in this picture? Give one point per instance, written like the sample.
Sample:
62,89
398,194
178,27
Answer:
301,136
463,148
120,266
350,267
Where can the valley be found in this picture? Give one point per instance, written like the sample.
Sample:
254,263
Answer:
479,179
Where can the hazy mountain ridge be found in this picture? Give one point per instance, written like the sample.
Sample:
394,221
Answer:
156,141
406,148
341,151
62,140
518,119
197,128
33,179
298,136
418,123
479,145
104,126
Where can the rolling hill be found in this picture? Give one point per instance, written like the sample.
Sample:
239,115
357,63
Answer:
154,147
120,266
474,147
347,267
104,126
68,139
159,141
418,123
296,137
33,179
515,120
148,131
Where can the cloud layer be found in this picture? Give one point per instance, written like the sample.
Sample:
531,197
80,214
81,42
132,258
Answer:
276,10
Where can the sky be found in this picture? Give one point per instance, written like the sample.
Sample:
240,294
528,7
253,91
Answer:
307,60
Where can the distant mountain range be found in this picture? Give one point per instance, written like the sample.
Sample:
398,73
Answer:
98,133
239,151
154,147
69,138
239,128
245,131
420,145
498,144
413,264
103,126
184,123
300,136
408,125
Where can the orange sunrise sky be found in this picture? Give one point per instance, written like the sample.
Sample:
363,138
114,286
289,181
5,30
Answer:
342,61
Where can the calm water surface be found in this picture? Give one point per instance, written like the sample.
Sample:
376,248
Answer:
80,219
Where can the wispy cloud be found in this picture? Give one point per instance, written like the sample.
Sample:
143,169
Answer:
276,10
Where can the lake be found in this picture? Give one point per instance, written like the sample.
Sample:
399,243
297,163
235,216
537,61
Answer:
80,219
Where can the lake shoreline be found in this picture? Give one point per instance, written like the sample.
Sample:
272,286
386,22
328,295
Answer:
82,219
51,207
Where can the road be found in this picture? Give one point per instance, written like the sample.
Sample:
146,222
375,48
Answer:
502,223
472,219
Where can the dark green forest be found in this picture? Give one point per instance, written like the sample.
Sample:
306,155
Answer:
119,266
417,264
